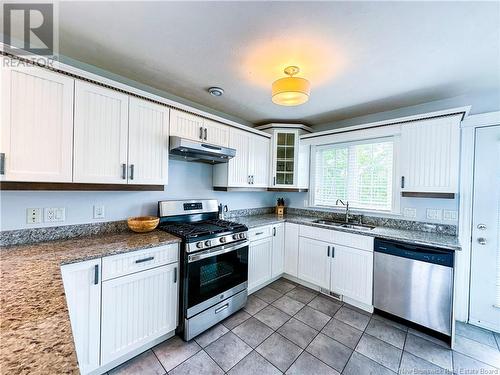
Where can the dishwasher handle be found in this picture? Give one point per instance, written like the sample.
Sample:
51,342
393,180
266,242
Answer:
423,253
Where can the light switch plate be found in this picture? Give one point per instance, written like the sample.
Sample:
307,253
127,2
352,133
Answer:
33,215
54,214
410,213
98,211
434,214
450,215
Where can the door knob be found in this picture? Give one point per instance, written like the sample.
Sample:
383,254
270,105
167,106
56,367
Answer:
481,241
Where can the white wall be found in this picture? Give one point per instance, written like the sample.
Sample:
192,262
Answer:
186,180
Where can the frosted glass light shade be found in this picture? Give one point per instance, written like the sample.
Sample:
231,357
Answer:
290,91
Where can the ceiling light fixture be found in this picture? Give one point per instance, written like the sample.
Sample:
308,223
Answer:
291,90
215,91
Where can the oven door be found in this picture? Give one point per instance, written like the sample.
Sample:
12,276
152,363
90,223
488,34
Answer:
214,275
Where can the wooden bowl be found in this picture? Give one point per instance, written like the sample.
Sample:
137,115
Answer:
143,224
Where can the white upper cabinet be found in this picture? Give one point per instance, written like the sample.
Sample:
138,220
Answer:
148,143
430,155
101,135
37,125
215,133
259,161
238,167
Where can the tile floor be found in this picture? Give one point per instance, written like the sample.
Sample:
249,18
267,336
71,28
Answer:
286,328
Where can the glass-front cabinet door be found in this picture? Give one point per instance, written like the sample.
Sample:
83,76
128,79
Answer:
285,158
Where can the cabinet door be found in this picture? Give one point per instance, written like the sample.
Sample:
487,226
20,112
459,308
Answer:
285,158
238,170
37,125
314,263
278,265
101,135
82,286
148,143
352,273
259,161
430,155
136,309
216,133
259,262
291,249
186,125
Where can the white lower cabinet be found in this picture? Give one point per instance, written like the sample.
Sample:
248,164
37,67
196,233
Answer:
137,309
314,262
259,262
291,249
278,266
113,319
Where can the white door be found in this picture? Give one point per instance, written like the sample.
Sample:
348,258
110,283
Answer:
37,125
485,265
186,125
314,262
430,155
238,170
136,309
291,249
216,133
148,143
82,286
278,265
259,262
352,273
101,135
259,161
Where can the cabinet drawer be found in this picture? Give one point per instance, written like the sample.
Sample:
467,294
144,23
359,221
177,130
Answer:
255,234
319,234
357,241
124,264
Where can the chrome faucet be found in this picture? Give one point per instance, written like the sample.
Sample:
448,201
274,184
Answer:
346,204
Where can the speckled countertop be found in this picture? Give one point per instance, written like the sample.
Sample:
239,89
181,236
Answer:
444,241
35,331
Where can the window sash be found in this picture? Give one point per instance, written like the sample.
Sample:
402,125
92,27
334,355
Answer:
362,175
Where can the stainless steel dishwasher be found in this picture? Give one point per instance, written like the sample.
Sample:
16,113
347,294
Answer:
415,283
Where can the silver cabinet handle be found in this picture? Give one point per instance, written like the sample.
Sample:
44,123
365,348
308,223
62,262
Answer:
96,274
175,275
333,251
2,162
222,308
124,171
328,252
144,260
274,180
259,233
481,241
206,134
131,171
402,182
201,132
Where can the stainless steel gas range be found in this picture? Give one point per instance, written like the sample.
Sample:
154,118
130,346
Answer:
213,263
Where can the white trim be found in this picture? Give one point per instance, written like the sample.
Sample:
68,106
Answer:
352,136
394,121
130,89
480,120
278,125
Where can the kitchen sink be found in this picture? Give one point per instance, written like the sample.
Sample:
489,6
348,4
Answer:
344,225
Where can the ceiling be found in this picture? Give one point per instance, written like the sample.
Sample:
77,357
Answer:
354,53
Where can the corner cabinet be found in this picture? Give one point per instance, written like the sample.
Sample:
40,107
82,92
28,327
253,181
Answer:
250,167
289,162
430,155
37,125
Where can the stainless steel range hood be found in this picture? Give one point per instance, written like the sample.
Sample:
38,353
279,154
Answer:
185,149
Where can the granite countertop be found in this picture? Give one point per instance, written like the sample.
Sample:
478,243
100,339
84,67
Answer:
440,240
35,330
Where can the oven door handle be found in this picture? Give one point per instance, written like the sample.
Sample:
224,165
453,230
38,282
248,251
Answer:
216,251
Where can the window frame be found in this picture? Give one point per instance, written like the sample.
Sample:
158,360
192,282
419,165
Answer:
396,188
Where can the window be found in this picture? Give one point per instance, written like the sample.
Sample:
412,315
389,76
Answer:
358,172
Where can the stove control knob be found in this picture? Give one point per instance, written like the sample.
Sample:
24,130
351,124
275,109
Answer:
242,235
235,236
199,245
208,243
222,240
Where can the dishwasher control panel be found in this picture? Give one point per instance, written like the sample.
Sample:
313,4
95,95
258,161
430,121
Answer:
421,253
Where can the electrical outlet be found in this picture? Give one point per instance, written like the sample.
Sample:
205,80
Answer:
450,215
54,214
410,213
98,211
434,214
33,215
